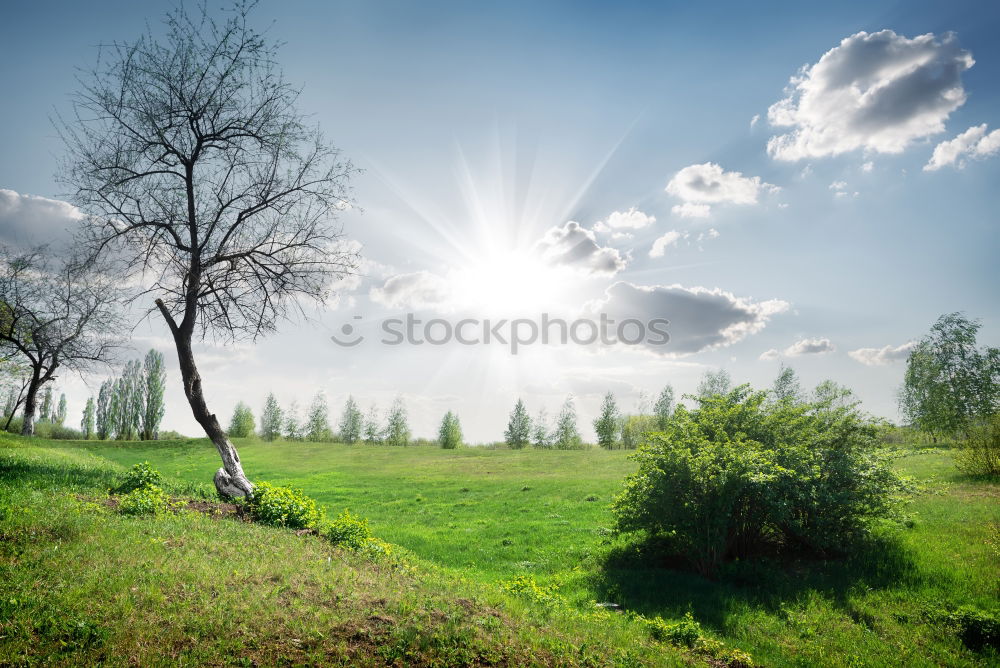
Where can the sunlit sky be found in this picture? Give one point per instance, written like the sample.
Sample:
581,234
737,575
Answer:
785,182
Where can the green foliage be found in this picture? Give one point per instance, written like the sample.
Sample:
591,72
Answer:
450,433
87,422
153,387
540,437
606,424
372,429
714,383
664,407
566,435
518,432
140,476
526,587
351,422
397,429
683,633
270,419
980,452
347,531
146,500
283,506
318,422
60,416
786,385
241,425
740,475
633,429
950,383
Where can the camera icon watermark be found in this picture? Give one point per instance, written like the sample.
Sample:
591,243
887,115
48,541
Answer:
514,333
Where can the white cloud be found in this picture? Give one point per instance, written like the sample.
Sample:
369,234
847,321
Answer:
575,246
771,354
700,318
810,347
708,183
838,185
754,120
875,91
712,233
689,210
660,245
27,220
974,143
882,356
633,219
419,289
868,166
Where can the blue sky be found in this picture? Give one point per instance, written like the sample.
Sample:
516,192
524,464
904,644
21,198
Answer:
484,129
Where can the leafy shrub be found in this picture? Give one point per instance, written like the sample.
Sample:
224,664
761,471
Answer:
283,506
684,633
347,530
138,477
740,474
526,587
980,454
147,500
976,629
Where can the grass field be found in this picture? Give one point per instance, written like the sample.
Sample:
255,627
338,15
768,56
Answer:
476,517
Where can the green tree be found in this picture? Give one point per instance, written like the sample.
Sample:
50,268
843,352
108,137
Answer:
518,432
397,429
567,436
373,426
153,385
450,432
60,417
45,411
242,423
786,385
606,425
664,407
540,436
103,416
950,383
87,423
293,427
318,422
270,419
351,422
713,383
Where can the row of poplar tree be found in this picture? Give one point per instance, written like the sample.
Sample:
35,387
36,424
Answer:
129,407
354,426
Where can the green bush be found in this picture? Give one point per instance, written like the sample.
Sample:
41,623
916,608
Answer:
138,477
980,453
740,475
283,506
684,633
148,500
347,531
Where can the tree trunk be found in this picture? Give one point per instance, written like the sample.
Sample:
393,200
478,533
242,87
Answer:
230,480
28,420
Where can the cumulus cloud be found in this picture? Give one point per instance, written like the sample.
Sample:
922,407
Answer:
875,91
27,220
660,245
702,185
575,246
771,354
868,166
882,356
633,219
810,347
419,289
973,143
700,318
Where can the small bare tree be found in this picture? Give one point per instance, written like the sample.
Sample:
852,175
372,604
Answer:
55,314
196,169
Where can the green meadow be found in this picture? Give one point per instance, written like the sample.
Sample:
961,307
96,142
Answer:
468,521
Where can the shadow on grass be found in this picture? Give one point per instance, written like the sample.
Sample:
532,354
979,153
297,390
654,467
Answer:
637,576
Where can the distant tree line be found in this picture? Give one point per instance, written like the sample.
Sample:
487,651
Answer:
129,407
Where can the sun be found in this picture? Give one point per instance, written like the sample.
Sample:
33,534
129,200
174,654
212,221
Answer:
511,283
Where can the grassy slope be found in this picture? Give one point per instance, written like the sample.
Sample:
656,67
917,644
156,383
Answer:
80,585
468,512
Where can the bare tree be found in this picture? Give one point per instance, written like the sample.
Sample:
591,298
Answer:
55,314
196,169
